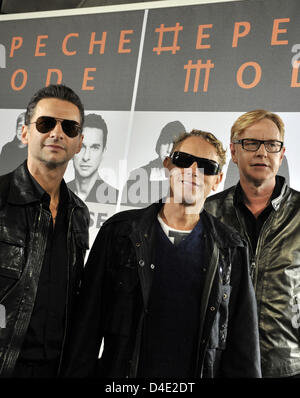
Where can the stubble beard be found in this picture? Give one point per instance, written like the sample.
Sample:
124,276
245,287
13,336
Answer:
53,164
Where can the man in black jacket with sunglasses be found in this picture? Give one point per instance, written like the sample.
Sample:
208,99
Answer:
168,287
43,238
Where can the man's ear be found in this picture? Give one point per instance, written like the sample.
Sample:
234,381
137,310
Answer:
24,134
167,166
167,162
218,180
282,155
233,153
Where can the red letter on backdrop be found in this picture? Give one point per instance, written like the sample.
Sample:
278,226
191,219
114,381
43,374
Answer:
237,33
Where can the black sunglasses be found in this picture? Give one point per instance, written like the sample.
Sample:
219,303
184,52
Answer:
44,124
185,160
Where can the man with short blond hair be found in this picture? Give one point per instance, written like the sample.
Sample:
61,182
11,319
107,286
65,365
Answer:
266,212
167,287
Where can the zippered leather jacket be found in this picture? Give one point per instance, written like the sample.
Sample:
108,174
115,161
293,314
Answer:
275,268
115,293
24,228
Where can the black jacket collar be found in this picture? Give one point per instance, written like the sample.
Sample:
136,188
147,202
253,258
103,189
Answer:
23,192
277,196
141,220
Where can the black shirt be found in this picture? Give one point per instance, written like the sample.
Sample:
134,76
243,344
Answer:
253,224
45,333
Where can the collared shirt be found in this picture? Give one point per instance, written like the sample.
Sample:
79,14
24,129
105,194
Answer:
253,224
45,333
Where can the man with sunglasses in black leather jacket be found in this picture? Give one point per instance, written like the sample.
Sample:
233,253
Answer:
168,287
43,238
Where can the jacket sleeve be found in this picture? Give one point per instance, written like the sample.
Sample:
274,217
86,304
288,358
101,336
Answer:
241,358
84,341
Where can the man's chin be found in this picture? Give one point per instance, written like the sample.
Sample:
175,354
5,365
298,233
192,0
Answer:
258,180
52,164
84,175
187,200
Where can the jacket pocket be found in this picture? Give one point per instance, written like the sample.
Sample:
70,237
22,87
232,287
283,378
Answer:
82,239
12,258
81,242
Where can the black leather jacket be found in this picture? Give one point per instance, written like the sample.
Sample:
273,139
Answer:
275,268
115,293
23,236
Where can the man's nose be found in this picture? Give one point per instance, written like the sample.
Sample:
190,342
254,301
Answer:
194,167
57,132
262,150
86,154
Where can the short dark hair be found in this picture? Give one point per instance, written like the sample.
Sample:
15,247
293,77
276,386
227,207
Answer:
58,91
96,121
170,132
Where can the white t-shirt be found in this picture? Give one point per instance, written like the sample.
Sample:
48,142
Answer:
172,233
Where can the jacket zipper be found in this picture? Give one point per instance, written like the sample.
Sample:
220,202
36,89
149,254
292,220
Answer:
254,256
67,290
259,245
209,283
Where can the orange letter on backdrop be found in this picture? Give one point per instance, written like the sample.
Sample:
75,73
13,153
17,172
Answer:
162,30
86,77
58,73
38,45
197,67
64,44
123,40
201,36
237,33
276,31
294,81
256,80
16,43
101,42
13,80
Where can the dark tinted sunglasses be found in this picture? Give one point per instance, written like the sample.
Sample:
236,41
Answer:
44,124
185,160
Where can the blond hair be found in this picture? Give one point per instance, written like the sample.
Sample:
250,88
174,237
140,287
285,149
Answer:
248,119
209,137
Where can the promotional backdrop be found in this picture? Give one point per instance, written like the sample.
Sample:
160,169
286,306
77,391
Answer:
200,65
